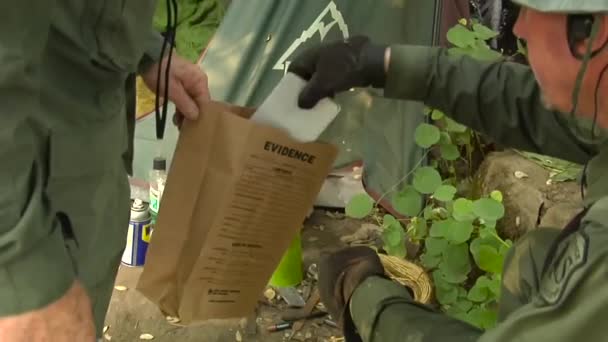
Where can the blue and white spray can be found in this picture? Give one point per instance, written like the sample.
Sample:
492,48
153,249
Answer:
138,236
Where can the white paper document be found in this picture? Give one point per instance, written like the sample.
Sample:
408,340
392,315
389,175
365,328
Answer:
281,110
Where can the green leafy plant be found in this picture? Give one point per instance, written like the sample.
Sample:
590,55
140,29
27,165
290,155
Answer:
470,38
559,170
459,243
521,48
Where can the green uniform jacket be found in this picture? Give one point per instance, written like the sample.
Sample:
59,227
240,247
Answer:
503,101
65,142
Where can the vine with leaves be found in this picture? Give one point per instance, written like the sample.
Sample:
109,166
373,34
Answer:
457,234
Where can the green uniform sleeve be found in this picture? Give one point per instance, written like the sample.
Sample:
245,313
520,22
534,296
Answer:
383,311
570,301
153,47
499,99
567,303
35,267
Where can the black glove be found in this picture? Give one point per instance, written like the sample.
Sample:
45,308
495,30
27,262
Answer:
338,66
339,275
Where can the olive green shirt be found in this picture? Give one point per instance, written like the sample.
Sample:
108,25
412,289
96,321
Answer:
503,101
64,64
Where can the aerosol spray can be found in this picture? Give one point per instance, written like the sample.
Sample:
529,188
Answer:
138,236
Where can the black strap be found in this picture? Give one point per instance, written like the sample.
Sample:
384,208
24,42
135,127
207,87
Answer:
169,38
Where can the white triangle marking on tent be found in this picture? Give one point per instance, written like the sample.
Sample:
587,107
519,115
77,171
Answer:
318,26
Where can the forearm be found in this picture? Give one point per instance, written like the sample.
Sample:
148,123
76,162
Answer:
502,99
383,311
64,320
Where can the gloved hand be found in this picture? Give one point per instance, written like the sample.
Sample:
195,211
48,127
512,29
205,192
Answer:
338,66
339,275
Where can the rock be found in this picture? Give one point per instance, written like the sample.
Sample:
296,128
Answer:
313,272
270,294
559,215
528,199
243,323
367,232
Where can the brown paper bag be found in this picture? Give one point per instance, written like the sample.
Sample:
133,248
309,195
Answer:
236,195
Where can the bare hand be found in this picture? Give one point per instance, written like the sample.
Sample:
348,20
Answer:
188,88
66,320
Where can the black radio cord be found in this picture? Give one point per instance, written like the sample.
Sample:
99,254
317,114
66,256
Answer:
169,39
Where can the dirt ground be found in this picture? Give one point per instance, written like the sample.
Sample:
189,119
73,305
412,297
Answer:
131,315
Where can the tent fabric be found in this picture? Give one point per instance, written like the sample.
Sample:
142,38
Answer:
251,49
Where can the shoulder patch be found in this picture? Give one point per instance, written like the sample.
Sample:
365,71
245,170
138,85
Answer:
570,256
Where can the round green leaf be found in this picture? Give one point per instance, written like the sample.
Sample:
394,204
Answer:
503,250
464,305
484,33
449,152
430,261
462,292
426,180
486,232
463,138
459,231
426,135
408,202
450,275
393,235
482,317
490,224
476,243
453,126
435,246
428,213
436,114
474,247
485,54
418,229
359,206
479,292
483,281
446,296
494,285
463,210
388,220
456,266
445,138
521,48
457,257
489,259
488,209
456,312
460,36
446,293
397,250
496,195
440,229
444,193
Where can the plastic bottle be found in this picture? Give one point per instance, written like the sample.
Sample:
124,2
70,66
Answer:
157,179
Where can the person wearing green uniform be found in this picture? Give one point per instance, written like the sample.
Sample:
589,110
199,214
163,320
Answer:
554,284
67,90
